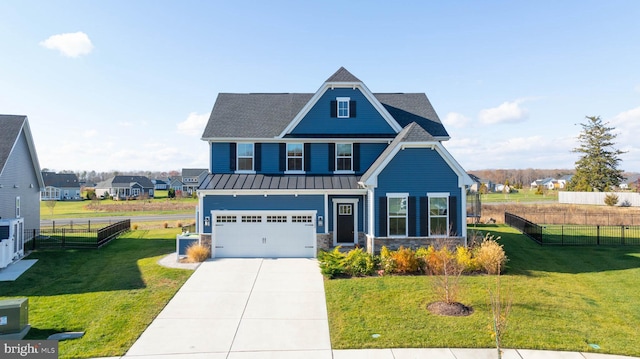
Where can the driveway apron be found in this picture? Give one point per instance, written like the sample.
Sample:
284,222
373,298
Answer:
243,308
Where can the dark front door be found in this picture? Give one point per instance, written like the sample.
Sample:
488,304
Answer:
345,223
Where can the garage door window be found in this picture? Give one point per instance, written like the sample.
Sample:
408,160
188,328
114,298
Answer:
276,219
251,219
301,219
226,219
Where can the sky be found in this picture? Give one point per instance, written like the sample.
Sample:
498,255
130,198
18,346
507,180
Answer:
129,85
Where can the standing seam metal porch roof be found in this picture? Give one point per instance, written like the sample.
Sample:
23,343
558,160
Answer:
241,182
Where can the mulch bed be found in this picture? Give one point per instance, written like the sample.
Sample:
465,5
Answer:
454,309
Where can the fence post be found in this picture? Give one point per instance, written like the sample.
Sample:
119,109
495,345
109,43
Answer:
33,244
89,225
562,235
622,234
598,234
63,237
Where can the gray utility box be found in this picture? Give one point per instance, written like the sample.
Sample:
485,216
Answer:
14,315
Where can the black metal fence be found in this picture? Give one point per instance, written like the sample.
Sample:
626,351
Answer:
576,234
527,228
73,237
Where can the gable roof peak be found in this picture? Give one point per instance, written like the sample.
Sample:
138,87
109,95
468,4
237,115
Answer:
342,75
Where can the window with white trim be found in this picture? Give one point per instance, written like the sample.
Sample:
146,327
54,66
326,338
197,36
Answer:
343,107
17,207
344,157
245,157
295,157
397,215
438,215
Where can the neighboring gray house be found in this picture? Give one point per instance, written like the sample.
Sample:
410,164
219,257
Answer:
126,187
60,187
175,183
191,179
20,177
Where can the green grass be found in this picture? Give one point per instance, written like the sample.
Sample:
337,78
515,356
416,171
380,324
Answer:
112,294
523,195
562,298
590,234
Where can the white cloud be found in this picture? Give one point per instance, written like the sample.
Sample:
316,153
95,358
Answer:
507,112
457,120
89,133
70,44
194,124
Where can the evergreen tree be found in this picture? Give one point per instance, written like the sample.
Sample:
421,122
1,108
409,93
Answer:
597,168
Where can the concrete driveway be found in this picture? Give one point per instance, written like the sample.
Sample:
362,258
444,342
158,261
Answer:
243,308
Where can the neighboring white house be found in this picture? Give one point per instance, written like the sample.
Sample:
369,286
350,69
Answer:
548,183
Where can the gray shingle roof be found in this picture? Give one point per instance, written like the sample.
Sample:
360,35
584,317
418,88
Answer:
10,126
267,115
60,180
266,182
342,75
193,172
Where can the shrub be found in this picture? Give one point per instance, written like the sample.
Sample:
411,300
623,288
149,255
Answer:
165,225
465,258
490,255
359,263
405,260
332,263
179,224
135,226
387,264
611,199
198,253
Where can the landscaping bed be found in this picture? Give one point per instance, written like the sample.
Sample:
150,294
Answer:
111,294
562,299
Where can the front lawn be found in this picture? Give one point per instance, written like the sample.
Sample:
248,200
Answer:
112,294
562,298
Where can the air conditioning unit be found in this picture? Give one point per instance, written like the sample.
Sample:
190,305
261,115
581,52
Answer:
11,241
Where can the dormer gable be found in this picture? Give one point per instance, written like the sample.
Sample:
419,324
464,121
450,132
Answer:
343,106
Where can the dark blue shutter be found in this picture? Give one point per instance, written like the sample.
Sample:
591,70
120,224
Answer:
332,157
411,213
283,157
257,157
334,108
382,216
356,157
352,109
424,216
307,157
232,156
453,216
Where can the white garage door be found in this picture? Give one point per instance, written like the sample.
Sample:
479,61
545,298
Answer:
268,234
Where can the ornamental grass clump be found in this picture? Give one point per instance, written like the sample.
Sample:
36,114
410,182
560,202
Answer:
197,253
490,255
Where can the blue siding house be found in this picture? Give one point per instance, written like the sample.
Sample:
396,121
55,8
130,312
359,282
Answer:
295,172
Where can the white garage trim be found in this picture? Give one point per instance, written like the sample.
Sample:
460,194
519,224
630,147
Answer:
257,234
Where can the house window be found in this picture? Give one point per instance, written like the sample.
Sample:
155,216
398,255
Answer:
17,207
245,157
438,214
295,157
344,157
397,215
343,107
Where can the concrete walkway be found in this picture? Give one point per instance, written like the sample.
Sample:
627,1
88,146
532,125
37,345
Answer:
271,308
